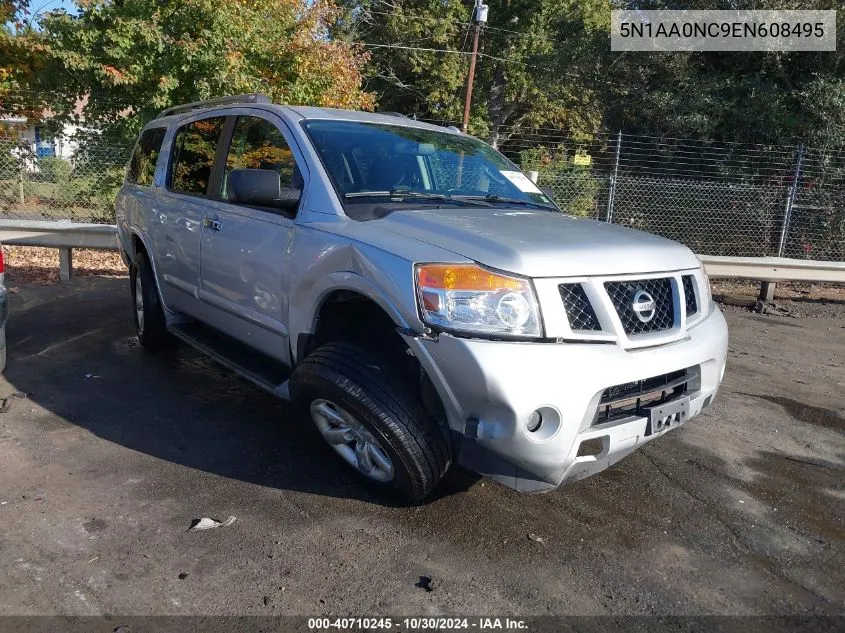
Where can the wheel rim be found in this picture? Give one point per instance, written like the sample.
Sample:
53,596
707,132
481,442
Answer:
352,441
139,304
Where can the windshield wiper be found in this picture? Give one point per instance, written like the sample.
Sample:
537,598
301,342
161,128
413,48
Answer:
395,193
490,197
416,195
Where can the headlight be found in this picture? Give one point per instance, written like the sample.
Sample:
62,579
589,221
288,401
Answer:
707,292
468,298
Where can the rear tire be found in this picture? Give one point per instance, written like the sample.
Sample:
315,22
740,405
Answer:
365,414
147,312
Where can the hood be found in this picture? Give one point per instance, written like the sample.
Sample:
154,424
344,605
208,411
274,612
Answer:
537,243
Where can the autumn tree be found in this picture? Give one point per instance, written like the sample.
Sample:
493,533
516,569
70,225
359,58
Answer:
129,59
22,56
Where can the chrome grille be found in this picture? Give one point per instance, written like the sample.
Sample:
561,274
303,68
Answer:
578,309
622,294
689,293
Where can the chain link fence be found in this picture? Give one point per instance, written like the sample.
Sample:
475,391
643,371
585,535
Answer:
717,198
47,187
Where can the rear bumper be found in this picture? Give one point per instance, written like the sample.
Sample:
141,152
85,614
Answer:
491,388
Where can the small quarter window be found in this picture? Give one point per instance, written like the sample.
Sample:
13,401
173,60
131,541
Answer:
142,165
194,150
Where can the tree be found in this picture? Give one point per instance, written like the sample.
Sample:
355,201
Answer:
129,59
532,71
759,97
410,79
548,63
544,65
21,59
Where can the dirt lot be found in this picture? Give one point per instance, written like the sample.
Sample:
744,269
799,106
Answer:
106,463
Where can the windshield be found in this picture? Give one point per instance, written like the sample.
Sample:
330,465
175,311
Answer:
379,168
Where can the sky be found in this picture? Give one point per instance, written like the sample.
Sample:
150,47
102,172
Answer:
44,6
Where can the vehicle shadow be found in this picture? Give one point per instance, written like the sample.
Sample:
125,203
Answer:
72,349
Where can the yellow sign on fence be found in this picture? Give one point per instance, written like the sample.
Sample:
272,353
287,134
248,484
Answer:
582,158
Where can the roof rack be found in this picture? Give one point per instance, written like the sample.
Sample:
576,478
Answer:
254,97
399,114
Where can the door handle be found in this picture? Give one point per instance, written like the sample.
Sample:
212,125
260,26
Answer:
214,225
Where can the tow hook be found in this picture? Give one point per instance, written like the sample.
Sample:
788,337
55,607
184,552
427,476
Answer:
426,335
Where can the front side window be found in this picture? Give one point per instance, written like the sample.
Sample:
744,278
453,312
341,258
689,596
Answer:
194,149
387,166
258,144
142,165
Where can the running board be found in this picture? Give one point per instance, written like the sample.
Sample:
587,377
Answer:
261,370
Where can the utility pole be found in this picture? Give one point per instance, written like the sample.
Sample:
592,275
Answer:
479,17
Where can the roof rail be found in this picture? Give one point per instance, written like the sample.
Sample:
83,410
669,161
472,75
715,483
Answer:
254,97
399,114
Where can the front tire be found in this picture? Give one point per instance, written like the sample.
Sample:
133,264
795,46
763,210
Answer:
374,422
150,325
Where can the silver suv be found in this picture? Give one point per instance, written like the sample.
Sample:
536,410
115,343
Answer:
418,297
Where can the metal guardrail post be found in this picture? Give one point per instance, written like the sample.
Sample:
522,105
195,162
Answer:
790,200
612,193
65,263
21,166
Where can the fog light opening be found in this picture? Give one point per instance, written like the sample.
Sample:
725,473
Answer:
591,448
535,421
542,424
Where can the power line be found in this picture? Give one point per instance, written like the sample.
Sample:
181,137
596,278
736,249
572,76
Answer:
424,18
452,51
427,18
520,33
430,50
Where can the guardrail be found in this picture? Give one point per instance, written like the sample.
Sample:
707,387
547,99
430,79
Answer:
66,236
774,268
770,270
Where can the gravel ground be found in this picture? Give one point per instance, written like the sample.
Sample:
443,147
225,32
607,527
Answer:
114,453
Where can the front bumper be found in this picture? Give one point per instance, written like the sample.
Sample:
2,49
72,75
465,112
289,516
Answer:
490,388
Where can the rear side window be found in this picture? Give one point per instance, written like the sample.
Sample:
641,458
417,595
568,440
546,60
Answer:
142,166
194,149
258,144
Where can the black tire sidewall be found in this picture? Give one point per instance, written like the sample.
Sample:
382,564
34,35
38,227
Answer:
154,335
134,271
417,469
400,487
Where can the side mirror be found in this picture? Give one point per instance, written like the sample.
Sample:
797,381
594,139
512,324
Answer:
549,192
262,188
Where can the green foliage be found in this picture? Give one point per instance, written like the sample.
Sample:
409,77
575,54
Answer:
536,60
548,63
576,189
750,97
126,61
54,169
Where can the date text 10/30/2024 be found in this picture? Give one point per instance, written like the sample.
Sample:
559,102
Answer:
417,624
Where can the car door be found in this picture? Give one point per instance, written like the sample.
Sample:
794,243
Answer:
180,209
244,248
